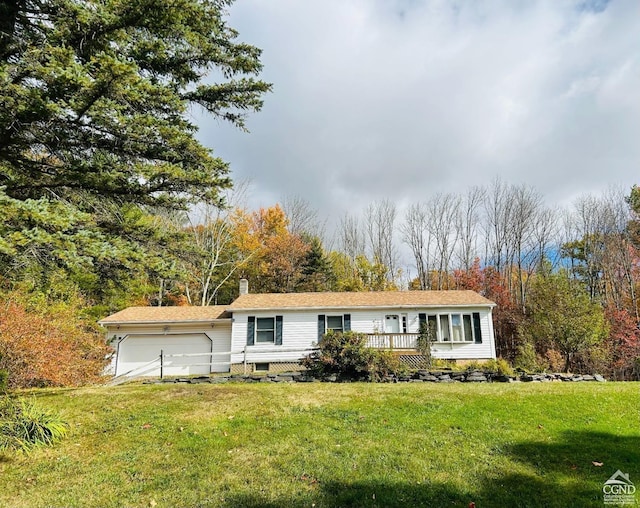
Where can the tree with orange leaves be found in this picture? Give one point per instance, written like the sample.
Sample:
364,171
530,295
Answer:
277,255
48,348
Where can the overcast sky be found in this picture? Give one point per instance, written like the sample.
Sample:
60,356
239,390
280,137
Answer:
400,99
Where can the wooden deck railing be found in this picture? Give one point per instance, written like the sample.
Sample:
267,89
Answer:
392,340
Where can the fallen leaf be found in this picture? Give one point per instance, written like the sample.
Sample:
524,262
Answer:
541,426
146,426
574,467
152,503
230,417
597,464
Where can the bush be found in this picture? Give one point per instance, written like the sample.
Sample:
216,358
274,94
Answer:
48,346
500,367
24,425
346,356
423,344
527,359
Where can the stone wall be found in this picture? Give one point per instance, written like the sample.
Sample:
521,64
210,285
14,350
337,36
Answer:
421,376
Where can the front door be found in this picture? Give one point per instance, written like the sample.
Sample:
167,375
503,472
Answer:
392,324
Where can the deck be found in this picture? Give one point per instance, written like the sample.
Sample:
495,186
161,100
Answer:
393,341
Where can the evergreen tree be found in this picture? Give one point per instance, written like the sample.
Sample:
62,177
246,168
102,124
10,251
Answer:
96,136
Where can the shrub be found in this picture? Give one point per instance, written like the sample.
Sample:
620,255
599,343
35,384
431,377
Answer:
24,425
474,365
500,366
48,347
527,359
423,344
346,356
439,363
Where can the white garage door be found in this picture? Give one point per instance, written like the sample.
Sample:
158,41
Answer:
135,351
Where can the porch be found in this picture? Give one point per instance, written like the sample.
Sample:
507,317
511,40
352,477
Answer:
393,341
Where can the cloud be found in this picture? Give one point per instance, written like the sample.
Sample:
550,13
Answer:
401,99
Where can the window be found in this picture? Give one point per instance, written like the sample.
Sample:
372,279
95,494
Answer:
261,367
445,335
454,327
265,329
468,330
335,324
432,327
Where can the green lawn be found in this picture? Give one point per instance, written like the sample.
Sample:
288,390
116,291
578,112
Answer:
289,445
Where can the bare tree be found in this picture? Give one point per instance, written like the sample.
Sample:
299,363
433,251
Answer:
415,234
546,237
443,210
526,206
380,223
498,205
303,218
351,239
467,225
586,249
618,257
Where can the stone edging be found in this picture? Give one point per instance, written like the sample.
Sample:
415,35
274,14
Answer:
421,376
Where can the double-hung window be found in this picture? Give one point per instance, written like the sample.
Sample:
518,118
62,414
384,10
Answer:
335,324
264,330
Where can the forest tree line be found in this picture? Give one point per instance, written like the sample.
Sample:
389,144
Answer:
565,281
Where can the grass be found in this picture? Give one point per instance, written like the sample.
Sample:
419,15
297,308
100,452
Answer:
328,445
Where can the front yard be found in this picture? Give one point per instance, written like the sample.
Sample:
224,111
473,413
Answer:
328,445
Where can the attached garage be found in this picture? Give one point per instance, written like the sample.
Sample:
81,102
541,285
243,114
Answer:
136,351
199,337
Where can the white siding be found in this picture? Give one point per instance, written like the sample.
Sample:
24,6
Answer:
300,331
221,337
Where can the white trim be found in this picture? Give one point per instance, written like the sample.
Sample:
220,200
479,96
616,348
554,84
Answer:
345,308
107,324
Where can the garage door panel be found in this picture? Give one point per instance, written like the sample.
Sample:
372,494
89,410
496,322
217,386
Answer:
137,350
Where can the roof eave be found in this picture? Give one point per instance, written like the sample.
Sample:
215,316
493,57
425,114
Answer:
364,307
164,321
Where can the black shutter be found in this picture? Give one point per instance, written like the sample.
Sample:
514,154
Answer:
251,330
422,321
321,327
278,330
346,324
476,327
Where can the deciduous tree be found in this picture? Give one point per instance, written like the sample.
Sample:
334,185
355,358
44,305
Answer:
561,316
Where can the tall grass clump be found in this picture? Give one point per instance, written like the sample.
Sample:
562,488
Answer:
24,425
